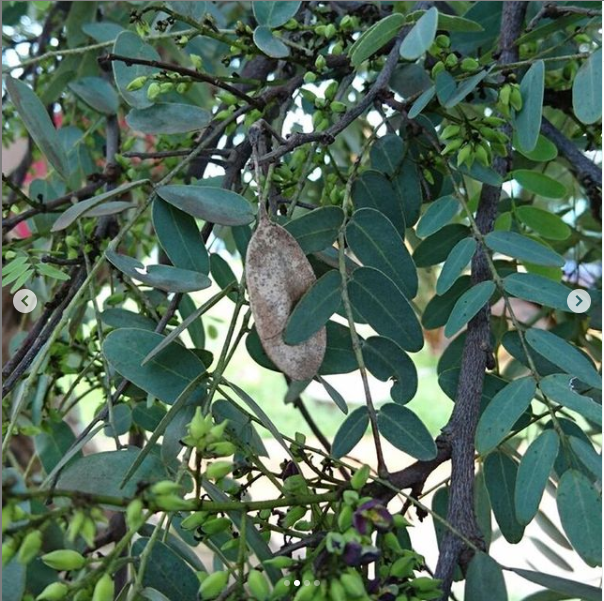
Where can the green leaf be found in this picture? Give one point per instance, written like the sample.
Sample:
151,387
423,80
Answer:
502,413
562,354
122,419
269,44
580,510
335,396
374,191
533,474
38,124
572,588
527,121
484,580
239,424
110,208
186,308
102,32
13,580
500,477
439,308
387,360
167,572
445,86
544,150
467,306
458,259
539,183
117,317
387,153
422,102
542,222
81,208
314,309
450,22
403,429
559,388
436,248
438,214
375,37
164,277
376,243
179,236
168,118
223,274
421,36
209,203
379,302
537,289
102,473
52,443
316,230
97,93
166,376
587,455
408,187
480,173
274,14
131,45
464,88
350,432
148,417
587,89
523,248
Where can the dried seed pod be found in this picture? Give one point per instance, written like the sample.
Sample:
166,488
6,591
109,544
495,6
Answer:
277,275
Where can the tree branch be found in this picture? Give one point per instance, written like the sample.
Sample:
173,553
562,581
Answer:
476,357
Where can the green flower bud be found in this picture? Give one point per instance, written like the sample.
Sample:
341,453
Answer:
465,155
174,503
443,41
320,63
8,551
450,131
481,155
216,525
439,67
516,98
137,83
305,593
53,592
199,425
353,584
345,518
213,585
360,477
323,124
281,589
64,560
76,522
134,515
320,30
194,520
258,585
166,87
165,487
337,49
222,449
451,61
469,64
104,589
425,583
310,77
218,470
505,93
218,431
400,521
291,25
281,562
30,546
403,567
337,592
392,542
182,87
338,107
330,31
88,531
452,146
330,90
346,23
196,61
153,91
495,121
293,515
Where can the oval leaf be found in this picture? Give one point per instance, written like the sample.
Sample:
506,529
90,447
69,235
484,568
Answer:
165,376
539,183
421,36
502,413
350,432
436,248
537,289
316,230
376,243
571,588
382,305
562,354
580,510
385,360
527,122
168,118
559,388
209,203
97,93
374,38
274,14
533,474
467,306
179,236
523,248
484,580
38,124
587,89
403,429
269,44
500,477
438,214
545,223
458,259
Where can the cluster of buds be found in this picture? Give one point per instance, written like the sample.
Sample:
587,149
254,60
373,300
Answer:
208,438
509,98
450,61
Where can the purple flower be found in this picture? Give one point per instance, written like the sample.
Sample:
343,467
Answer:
352,554
370,554
290,469
372,512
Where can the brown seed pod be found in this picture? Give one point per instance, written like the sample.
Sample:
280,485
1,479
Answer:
277,274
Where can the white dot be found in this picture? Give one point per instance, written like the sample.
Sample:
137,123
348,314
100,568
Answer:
307,583
286,582
296,583
317,583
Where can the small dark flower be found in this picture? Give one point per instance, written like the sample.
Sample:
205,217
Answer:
290,469
373,586
372,512
370,554
352,554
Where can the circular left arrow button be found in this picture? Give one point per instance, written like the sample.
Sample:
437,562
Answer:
25,301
